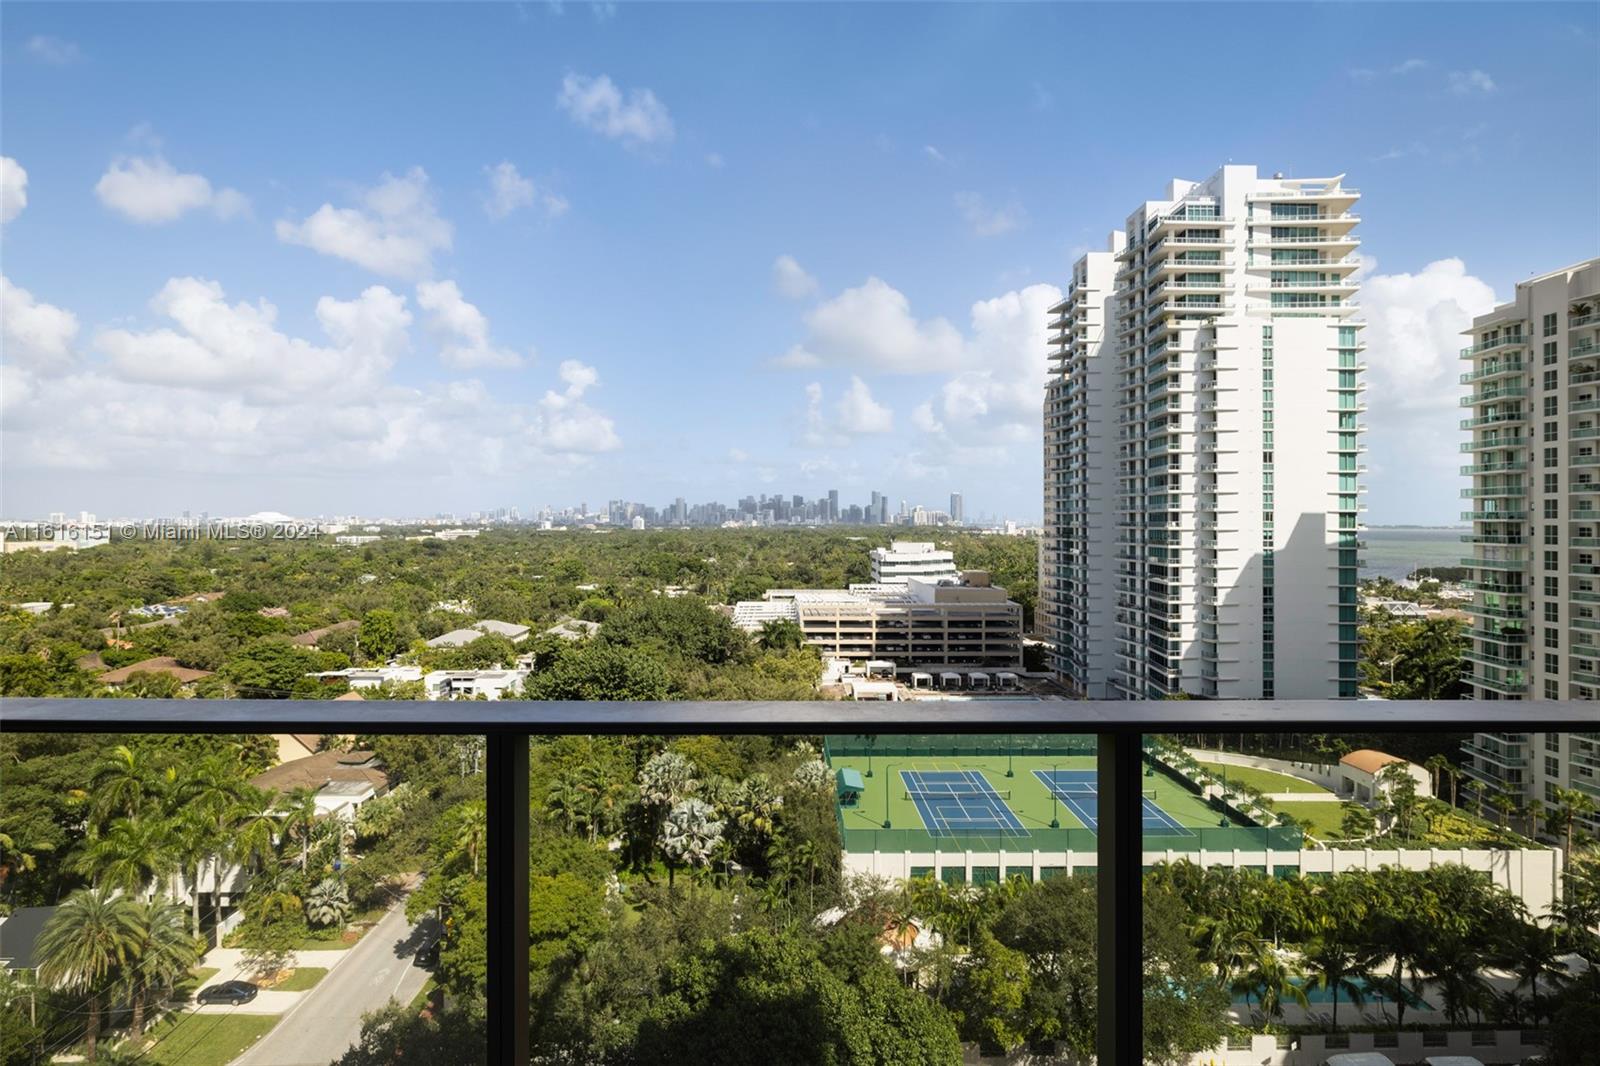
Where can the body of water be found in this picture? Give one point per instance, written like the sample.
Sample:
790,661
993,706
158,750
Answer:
1394,553
1317,996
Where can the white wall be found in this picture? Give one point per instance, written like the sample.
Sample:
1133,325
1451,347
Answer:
1532,874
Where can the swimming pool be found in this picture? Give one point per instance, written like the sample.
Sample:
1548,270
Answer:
1317,996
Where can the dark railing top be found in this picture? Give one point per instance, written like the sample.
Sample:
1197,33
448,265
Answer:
688,716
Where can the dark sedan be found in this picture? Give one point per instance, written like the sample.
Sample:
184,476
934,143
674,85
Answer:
428,955
232,992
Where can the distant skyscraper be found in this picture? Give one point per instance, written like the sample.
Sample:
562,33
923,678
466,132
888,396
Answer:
957,514
1201,425
833,505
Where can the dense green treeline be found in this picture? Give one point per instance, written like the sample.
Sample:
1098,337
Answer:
400,593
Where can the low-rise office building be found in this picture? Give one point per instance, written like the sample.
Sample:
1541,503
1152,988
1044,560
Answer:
962,622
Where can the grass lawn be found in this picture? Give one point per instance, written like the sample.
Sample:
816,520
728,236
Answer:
1320,819
312,943
420,1000
1265,780
190,984
205,1039
304,977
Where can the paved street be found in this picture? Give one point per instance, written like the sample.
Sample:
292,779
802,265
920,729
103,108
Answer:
325,1021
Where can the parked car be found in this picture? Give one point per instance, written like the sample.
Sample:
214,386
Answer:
428,955
231,992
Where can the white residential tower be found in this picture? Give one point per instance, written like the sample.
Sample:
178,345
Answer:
1201,456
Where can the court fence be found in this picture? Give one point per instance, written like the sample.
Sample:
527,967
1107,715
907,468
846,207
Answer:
956,745
1076,839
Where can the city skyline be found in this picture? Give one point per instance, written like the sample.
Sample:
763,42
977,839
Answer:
879,508
439,300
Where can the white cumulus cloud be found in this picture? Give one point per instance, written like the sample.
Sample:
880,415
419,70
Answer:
221,391
1413,339
1471,83
565,424
36,336
859,413
394,231
13,189
237,348
636,119
856,413
791,279
871,327
510,191
150,191
467,344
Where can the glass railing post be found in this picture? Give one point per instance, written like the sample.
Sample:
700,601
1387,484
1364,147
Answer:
1119,888
506,790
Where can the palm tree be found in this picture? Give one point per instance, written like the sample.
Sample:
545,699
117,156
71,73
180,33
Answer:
1229,945
1535,812
689,835
162,952
194,841
1534,954
300,819
607,795
209,794
130,855
256,824
328,903
1435,766
756,804
1270,975
1337,954
85,942
566,802
1571,805
121,783
1503,806
666,779
1456,963
1338,966
470,831
19,858
252,828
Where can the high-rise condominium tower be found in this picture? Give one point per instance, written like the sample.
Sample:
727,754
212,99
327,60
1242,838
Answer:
1201,425
957,509
1533,456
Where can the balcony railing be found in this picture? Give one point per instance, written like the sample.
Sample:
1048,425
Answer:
1117,725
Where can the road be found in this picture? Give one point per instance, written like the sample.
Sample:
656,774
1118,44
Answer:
327,1020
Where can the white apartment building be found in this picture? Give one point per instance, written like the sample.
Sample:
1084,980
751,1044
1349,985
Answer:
1533,459
1201,443
906,559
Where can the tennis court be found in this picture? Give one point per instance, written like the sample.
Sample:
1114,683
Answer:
959,801
1079,792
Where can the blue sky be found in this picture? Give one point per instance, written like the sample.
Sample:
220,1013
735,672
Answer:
395,259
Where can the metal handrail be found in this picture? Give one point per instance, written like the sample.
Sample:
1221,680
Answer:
1119,727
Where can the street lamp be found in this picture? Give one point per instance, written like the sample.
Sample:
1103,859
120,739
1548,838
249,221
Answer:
888,779
1055,813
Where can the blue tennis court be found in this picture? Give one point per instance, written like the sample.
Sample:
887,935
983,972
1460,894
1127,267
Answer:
1079,792
960,801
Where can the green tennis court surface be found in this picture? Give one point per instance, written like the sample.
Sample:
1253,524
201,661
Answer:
977,784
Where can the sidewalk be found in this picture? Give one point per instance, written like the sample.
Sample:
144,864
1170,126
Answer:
230,967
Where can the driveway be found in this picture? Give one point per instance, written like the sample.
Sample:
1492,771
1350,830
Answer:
324,1022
